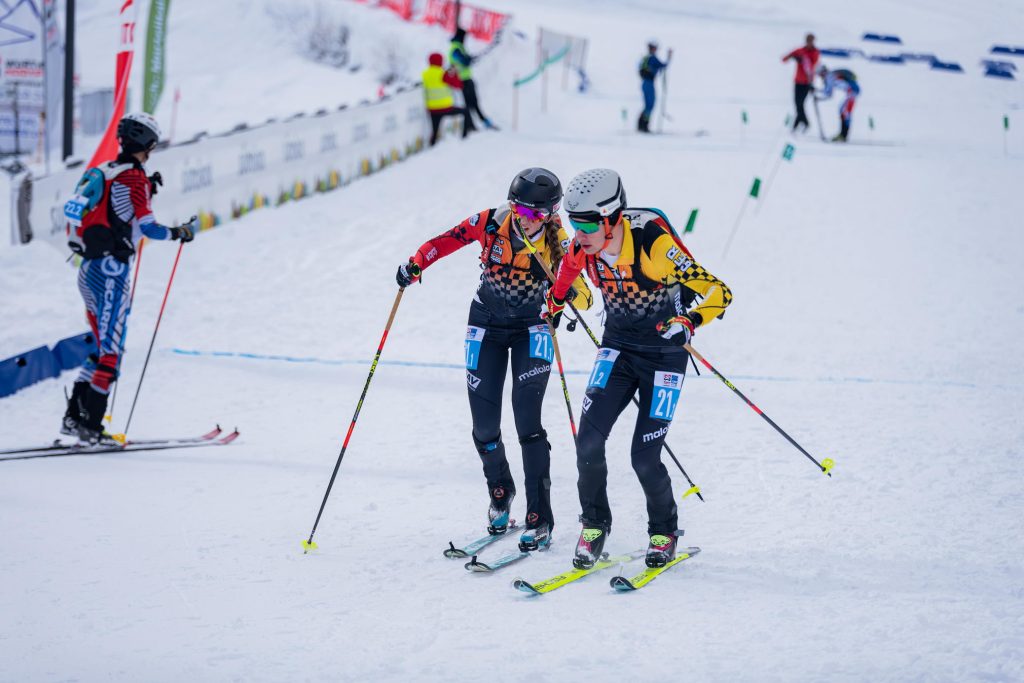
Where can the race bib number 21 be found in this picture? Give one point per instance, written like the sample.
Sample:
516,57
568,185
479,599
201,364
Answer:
540,343
667,386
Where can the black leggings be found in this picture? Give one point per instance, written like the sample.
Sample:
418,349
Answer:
472,103
616,378
488,350
800,92
437,116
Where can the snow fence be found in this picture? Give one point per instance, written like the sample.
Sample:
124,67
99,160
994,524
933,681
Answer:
219,177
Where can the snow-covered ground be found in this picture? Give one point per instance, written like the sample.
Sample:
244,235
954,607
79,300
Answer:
877,318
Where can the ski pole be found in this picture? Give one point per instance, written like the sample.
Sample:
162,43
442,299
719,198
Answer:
152,340
817,115
120,359
308,545
825,465
561,373
590,333
664,97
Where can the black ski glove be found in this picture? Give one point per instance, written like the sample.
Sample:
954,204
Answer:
408,273
186,232
155,181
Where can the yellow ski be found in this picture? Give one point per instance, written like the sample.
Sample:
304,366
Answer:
559,580
621,583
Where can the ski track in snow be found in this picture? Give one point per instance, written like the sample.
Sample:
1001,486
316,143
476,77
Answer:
892,267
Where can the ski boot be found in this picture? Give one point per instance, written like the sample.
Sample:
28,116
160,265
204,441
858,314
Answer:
662,549
96,438
73,416
90,425
590,547
498,512
535,538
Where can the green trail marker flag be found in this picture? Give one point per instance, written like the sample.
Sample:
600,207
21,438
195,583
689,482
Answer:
1006,123
156,35
743,115
755,189
690,223
787,152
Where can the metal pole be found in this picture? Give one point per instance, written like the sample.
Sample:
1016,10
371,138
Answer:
44,134
17,123
69,81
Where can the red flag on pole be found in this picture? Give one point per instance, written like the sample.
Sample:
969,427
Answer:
107,149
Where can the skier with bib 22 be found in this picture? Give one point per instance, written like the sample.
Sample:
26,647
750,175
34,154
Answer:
504,324
108,215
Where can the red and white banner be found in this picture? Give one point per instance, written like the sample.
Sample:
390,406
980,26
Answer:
483,24
402,8
107,149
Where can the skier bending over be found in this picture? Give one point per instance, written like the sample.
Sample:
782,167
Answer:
118,215
655,296
504,323
842,79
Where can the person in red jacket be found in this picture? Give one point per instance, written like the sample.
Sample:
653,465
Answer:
806,59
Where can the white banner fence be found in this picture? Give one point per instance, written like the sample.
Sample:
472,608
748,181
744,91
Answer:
219,177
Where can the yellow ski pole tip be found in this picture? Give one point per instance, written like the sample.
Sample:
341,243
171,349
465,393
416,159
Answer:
693,489
108,418
308,545
120,438
827,464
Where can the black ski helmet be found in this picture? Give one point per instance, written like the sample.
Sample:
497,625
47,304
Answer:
537,188
138,132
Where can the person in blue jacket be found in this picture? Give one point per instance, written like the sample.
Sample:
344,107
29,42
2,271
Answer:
841,79
650,67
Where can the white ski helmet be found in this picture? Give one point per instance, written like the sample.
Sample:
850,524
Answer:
138,132
594,195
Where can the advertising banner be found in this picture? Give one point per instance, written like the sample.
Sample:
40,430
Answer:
156,46
107,149
225,176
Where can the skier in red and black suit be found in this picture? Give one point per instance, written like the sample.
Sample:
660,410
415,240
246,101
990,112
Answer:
504,323
806,58
655,297
119,195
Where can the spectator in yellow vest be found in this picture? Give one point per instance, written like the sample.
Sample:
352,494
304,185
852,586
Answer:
440,101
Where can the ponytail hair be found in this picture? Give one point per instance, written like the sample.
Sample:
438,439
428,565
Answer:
557,253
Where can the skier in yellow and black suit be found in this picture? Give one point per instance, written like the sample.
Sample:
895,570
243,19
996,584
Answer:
504,322
655,296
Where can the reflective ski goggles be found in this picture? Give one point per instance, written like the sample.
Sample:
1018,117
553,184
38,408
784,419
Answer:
588,227
530,213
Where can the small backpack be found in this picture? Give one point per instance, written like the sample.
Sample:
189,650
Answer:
88,195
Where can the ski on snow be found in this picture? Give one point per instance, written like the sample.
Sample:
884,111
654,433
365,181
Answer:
475,565
57,445
473,547
622,584
565,578
59,450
